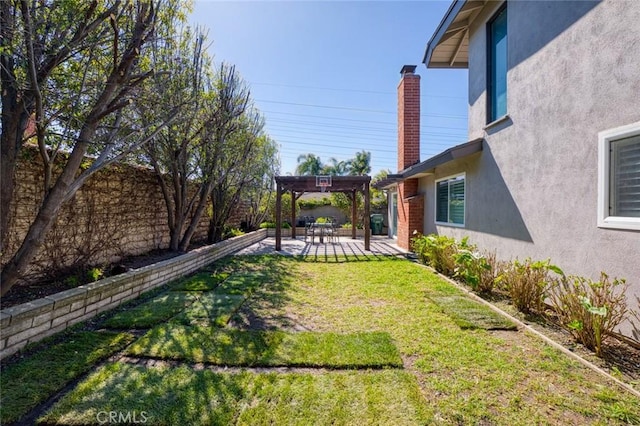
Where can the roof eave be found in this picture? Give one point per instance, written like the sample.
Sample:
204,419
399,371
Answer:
454,153
451,14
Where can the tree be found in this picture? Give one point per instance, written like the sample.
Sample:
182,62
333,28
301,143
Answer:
173,152
378,197
360,164
309,164
336,168
74,68
259,194
238,161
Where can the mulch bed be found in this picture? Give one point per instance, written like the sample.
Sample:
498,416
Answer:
28,291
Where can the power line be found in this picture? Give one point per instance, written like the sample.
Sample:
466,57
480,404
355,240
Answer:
387,140
352,90
359,128
460,117
352,119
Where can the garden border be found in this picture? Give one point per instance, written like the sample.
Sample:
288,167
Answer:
35,320
536,333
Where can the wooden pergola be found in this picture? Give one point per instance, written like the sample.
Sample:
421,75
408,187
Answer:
298,185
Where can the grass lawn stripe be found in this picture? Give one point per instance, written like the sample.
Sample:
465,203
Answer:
268,348
203,281
241,283
172,396
469,314
38,377
210,308
155,311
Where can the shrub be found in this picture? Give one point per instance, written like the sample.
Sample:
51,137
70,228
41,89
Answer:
480,271
285,225
313,203
527,283
230,232
438,251
348,226
94,274
590,310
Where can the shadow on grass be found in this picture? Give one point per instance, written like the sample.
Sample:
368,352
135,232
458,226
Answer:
183,396
33,380
250,348
159,396
263,309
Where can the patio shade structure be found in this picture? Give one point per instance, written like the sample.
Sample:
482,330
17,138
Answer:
298,185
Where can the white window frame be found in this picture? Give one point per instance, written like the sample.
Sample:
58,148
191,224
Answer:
435,203
605,138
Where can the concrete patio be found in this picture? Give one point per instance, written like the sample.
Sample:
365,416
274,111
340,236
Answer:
346,246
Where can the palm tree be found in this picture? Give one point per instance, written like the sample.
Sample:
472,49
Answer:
336,168
308,164
361,163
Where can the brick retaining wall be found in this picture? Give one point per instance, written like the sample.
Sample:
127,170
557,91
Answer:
33,321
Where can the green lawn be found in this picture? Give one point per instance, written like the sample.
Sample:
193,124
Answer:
202,281
183,396
342,313
30,382
210,308
268,348
155,311
468,313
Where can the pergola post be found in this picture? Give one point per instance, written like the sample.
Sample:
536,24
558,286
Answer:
293,214
367,207
354,212
278,217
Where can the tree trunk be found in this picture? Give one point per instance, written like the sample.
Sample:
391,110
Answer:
12,129
195,220
46,217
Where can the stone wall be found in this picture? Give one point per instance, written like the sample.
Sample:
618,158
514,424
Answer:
33,321
119,212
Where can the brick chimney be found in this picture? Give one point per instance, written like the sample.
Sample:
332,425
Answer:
410,202
408,118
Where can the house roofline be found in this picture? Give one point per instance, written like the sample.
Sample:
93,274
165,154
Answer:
428,166
447,20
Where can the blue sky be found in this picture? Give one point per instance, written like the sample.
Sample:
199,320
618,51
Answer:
324,74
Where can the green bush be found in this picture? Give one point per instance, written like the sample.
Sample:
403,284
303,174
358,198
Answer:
285,225
230,232
527,283
480,271
312,203
437,251
94,274
590,310
348,226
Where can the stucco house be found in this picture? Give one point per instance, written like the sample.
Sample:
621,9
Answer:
551,168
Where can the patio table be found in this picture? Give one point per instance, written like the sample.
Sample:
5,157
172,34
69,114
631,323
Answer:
322,227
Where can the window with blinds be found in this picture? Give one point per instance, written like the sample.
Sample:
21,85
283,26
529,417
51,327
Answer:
450,200
619,177
624,169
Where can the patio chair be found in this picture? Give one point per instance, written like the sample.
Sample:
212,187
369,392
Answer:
309,231
331,232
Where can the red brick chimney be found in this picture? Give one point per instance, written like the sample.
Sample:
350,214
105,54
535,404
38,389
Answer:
408,118
410,202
